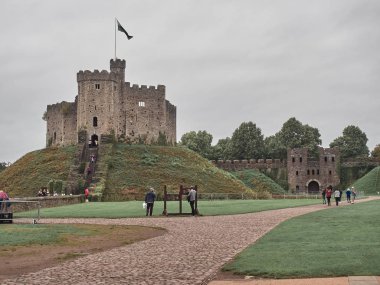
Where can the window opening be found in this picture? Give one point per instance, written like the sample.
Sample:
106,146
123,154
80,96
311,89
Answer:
97,86
141,104
95,121
300,159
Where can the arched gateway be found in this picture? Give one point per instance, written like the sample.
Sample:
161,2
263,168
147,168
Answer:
313,187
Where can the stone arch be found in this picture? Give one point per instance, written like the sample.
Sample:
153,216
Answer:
313,186
94,140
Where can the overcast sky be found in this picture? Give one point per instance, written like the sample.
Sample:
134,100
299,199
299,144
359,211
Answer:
222,62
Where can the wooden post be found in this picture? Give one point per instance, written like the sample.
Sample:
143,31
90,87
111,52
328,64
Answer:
165,212
180,198
196,200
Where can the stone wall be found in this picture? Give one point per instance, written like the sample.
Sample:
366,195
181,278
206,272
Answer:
235,165
61,124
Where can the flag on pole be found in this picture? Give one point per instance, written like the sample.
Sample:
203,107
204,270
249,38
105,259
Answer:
121,29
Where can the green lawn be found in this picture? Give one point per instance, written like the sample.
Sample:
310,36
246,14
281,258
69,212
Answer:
340,241
12,235
134,208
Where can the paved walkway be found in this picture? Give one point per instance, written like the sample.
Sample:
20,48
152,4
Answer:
192,251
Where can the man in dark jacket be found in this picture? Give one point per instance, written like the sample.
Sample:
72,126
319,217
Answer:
149,200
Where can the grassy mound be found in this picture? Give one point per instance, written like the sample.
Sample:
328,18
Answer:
131,168
35,169
370,183
123,171
257,181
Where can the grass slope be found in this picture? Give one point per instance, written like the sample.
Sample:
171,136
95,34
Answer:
258,181
123,171
342,241
370,183
131,168
36,169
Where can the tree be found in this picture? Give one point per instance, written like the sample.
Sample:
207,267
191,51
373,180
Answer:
3,165
274,148
376,151
293,134
353,143
223,149
247,142
199,142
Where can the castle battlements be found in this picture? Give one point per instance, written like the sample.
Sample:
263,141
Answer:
96,75
137,87
249,164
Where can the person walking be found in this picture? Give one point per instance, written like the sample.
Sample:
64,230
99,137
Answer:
353,194
191,198
324,196
337,197
348,195
150,197
86,193
328,195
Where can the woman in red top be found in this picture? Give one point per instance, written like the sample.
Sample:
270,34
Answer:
328,195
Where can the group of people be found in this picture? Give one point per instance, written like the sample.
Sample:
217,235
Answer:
328,193
150,197
43,192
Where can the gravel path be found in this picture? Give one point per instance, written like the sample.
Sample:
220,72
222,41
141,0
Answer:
192,251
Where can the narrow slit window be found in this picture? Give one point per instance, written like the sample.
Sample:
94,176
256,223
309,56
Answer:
95,121
97,86
301,159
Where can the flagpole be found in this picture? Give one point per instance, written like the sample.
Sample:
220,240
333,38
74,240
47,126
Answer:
115,37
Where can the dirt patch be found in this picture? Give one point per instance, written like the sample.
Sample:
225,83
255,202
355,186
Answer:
228,275
18,260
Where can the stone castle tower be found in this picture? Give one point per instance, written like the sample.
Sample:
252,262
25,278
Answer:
107,106
310,175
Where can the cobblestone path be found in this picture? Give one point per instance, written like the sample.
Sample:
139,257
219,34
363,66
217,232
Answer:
191,252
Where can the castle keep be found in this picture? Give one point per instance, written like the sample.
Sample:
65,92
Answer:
107,106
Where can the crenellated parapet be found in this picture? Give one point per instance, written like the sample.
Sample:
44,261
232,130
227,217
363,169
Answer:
136,87
61,109
234,165
96,75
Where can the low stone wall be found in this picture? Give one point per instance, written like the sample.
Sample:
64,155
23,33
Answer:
21,204
233,165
